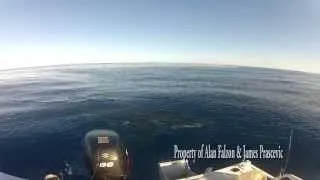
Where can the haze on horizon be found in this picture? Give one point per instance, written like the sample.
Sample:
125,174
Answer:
267,33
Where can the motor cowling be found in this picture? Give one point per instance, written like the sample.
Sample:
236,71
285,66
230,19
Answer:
107,156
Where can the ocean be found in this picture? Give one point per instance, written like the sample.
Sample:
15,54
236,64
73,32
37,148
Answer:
46,111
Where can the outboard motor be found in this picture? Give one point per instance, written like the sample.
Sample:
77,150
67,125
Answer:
108,158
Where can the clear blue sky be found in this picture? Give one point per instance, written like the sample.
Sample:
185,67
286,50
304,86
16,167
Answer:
269,33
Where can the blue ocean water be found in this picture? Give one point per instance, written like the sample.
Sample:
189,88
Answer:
45,112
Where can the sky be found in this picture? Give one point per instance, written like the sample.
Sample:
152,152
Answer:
265,33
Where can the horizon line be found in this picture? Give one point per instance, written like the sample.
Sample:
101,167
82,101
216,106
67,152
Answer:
201,64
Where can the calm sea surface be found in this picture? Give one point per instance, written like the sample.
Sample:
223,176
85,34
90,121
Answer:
45,113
